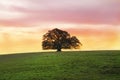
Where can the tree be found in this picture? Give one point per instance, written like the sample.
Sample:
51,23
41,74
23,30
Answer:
59,39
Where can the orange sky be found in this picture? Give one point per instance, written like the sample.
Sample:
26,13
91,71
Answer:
23,22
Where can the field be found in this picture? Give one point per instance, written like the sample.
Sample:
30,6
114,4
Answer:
77,65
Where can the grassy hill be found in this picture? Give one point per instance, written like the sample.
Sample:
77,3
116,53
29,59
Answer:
84,65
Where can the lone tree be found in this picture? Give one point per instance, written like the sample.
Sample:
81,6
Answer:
59,39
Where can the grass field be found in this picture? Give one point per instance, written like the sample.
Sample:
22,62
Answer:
84,65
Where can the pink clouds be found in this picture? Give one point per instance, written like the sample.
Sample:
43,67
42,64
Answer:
56,11
92,21
93,32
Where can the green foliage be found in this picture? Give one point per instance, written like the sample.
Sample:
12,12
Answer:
93,65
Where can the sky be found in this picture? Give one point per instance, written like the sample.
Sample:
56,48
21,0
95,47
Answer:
23,23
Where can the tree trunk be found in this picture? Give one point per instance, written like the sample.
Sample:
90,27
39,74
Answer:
59,47
58,50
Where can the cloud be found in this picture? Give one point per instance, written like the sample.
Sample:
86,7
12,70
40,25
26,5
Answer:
31,12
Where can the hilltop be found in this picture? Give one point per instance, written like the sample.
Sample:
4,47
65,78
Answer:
77,65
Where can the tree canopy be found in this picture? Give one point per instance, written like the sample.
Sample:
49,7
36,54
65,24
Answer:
59,39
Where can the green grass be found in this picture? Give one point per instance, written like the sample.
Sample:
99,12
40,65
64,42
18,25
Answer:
83,65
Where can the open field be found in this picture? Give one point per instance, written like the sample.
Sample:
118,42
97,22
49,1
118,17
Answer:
84,65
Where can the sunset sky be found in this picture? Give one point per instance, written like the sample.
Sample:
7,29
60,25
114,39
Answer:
23,22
